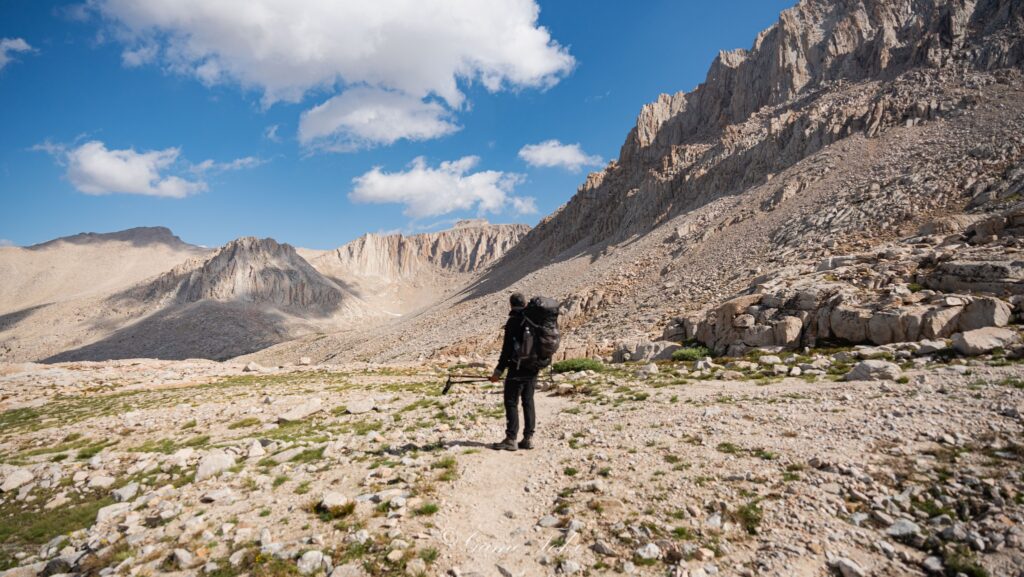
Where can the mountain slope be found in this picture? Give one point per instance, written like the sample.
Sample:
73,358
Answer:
846,124
87,264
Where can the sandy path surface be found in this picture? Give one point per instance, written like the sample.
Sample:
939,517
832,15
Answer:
498,499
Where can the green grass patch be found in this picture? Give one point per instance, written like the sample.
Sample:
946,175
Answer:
426,509
749,516
576,365
449,468
728,448
690,354
309,456
165,446
24,526
245,423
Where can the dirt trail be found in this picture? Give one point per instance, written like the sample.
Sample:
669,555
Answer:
493,507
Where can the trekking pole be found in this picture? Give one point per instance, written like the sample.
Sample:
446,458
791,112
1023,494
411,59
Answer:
461,379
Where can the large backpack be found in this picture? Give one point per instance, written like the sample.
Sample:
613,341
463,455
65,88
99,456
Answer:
539,339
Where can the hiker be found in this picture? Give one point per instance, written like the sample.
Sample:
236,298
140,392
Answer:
531,339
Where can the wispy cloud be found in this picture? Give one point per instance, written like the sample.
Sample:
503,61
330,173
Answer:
212,166
552,153
11,46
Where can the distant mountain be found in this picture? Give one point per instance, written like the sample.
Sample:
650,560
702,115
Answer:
145,293
139,236
400,274
87,264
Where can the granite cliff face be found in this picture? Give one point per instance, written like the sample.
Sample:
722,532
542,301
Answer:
469,247
397,274
824,72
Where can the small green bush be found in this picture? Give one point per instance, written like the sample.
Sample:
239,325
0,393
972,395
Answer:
426,509
574,365
691,353
750,516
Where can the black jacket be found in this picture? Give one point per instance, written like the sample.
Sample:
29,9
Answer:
513,328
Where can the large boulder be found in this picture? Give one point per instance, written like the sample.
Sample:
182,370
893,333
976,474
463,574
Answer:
112,512
16,479
940,323
874,370
787,331
850,323
886,327
656,351
213,463
984,312
302,411
986,340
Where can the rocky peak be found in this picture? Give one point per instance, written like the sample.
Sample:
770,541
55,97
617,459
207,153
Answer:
251,270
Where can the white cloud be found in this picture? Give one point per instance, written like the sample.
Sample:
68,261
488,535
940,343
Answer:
94,169
140,55
236,164
426,191
10,46
416,49
5,243
552,153
368,116
271,133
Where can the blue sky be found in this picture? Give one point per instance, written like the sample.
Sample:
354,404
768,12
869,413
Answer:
121,113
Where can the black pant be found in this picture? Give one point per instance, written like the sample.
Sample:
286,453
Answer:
519,385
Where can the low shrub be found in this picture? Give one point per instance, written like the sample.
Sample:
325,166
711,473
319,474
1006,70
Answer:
574,365
691,353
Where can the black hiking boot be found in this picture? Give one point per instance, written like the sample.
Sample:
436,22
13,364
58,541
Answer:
506,445
526,443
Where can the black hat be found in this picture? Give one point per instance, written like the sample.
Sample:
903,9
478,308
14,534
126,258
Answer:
517,300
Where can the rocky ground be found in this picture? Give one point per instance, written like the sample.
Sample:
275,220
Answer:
761,465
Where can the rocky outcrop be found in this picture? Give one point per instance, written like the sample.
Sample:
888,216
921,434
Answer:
469,247
247,270
878,297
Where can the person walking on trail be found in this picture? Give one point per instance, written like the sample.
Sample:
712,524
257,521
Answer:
520,382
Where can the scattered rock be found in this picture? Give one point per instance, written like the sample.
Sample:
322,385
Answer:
986,340
311,562
874,370
649,552
302,411
16,479
213,463
848,568
126,493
